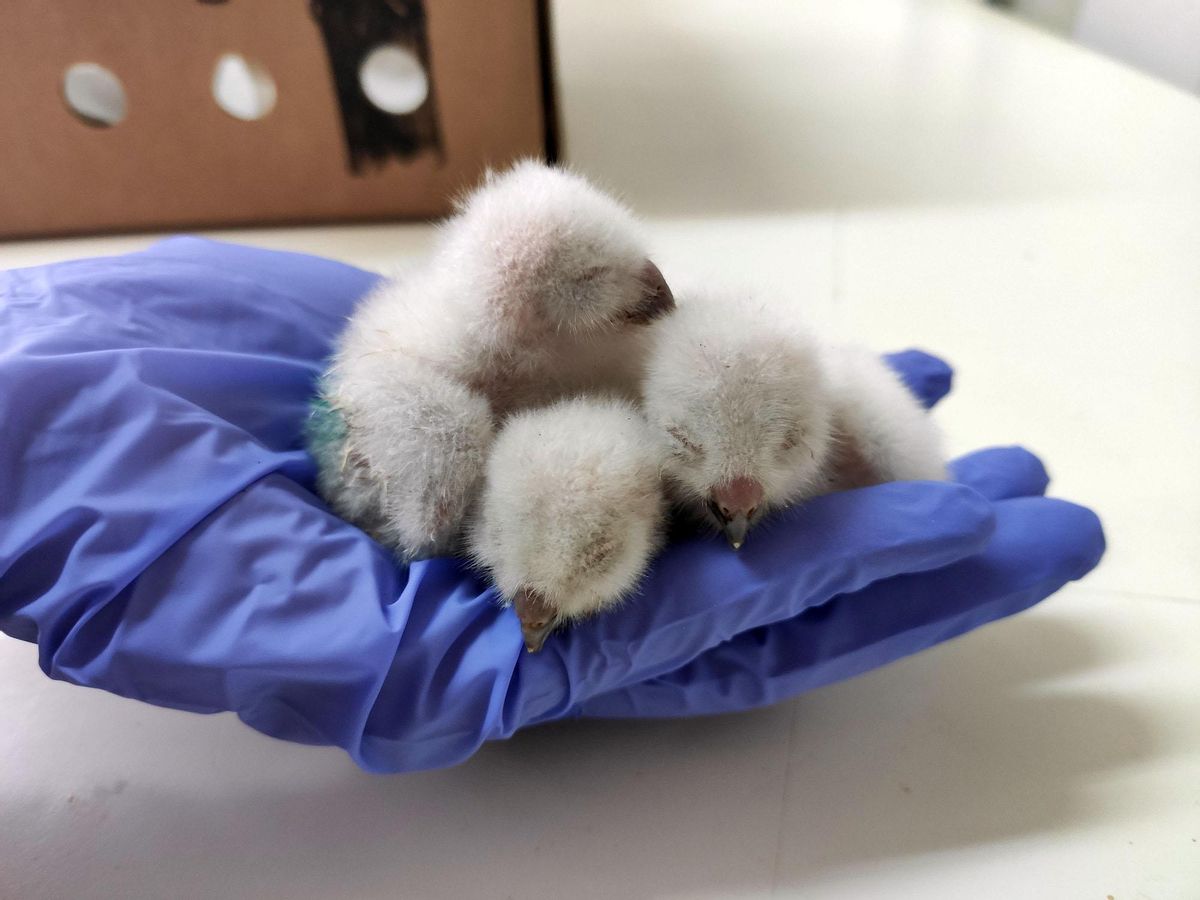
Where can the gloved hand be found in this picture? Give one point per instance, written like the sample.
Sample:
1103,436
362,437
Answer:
159,539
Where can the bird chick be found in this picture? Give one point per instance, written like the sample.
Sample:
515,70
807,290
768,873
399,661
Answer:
571,513
401,453
738,402
538,288
752,414
881,433
554,287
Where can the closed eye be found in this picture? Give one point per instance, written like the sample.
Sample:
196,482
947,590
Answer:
680,437
592,274
794,439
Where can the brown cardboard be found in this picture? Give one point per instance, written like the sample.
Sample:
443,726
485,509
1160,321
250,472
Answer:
177,160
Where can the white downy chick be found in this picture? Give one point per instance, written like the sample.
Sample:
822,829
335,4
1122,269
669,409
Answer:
753,414
551,281
403,455
881,433
572,511
738,402
538,288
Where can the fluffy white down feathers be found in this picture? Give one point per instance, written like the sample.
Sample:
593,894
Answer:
880,431
751,413
533,289
530,396
572,510
731,391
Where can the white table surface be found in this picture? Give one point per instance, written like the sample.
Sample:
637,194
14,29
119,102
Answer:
924,173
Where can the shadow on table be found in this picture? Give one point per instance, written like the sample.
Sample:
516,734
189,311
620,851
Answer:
982,740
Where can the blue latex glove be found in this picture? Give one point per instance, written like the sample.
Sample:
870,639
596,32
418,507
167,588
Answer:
159,538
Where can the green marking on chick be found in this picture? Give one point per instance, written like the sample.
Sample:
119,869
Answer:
325,430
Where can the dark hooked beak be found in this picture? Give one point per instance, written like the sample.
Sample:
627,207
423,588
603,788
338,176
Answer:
733,504
657,299
735,531
537,617
536,637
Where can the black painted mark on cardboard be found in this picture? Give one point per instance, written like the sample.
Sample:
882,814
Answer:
352,29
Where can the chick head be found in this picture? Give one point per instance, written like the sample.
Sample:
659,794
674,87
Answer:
735,395
555,250
571,512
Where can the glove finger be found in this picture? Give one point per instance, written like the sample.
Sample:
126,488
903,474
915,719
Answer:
1039,545
927,376
1001,473
700,593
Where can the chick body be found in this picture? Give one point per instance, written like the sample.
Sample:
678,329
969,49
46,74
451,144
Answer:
572,511
534,289
406,457
737,399
753,413
880,431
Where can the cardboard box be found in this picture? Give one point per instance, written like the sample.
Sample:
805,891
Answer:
174,158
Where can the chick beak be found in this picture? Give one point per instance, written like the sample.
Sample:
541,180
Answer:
735,531
537,618
656,300
536,637
733,505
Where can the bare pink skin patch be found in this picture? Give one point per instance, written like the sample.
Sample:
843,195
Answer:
742,496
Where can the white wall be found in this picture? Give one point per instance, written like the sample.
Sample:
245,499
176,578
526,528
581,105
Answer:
1158,36
1059,15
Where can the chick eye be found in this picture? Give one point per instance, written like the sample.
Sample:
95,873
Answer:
682,440
794,439
592,274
